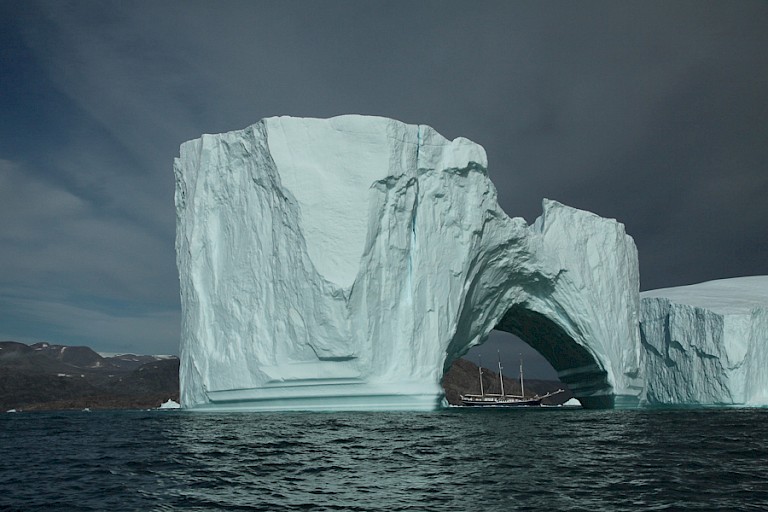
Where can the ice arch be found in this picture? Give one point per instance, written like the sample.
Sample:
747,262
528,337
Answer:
577,305
576,366
344,263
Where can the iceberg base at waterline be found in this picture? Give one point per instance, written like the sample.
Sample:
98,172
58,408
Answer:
326,395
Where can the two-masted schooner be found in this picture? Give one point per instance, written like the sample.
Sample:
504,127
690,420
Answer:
503,400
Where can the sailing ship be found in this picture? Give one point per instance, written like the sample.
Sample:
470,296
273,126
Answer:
504,400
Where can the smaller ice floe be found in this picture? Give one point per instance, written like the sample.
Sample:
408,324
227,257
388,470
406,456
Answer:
170,404
572,403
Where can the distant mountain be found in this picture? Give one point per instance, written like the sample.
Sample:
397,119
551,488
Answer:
44,376
48,376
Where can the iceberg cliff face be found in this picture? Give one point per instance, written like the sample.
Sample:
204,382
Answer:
707,343
345,263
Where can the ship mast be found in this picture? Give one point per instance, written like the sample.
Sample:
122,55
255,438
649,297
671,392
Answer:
522,386
480,370
501,377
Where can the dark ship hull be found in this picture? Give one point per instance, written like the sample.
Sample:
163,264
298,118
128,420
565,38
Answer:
499,401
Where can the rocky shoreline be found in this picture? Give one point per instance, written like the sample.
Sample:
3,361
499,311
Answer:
45,377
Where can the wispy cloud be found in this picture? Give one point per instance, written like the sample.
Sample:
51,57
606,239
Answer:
66,263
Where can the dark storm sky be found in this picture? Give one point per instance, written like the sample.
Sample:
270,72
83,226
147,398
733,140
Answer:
653,113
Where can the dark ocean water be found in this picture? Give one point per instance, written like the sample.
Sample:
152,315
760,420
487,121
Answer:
463,460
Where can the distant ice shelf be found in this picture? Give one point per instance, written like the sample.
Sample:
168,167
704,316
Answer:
707,343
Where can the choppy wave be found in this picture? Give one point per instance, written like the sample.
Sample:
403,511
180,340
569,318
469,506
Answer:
463,460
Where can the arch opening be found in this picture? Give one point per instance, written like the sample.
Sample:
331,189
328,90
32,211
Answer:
514,356
511,350
575,365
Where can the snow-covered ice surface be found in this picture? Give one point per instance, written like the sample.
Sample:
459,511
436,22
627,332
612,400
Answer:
345,263
707,343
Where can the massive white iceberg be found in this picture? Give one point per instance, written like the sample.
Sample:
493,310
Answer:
707,343
345,263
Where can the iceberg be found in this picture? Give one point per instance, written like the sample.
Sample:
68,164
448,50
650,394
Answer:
170,404
345,263
707,343
571,402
